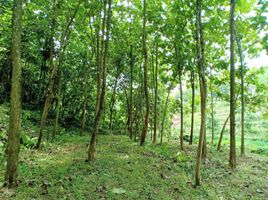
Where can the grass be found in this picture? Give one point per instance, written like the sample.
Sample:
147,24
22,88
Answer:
124,170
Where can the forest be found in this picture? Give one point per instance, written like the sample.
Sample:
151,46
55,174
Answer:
134,99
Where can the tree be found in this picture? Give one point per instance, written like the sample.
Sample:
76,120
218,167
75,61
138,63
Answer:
242,95
15,104
212,107
146,119
181,109
155,92
63,44
203,88
192,106
52,75
101,77
232,156
165,113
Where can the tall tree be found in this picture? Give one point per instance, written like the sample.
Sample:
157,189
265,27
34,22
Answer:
223,128
113,97
242,95
203,87
52,75
155,92
212,107
15,104
181,111
85,97
63,44
232,156
101,78
131,91
165,113
145,57
192,106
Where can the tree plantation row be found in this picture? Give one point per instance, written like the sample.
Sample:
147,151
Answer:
128,67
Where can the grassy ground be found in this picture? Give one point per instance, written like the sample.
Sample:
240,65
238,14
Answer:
124,170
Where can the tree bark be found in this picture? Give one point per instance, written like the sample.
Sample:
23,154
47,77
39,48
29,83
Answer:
203,88
164,115
101,81
232,156
146,119
242,96
212,108
156,93
131,91
222,131
51,79
112,101
13,142
193,107
85,100
63,44
181,112
223,128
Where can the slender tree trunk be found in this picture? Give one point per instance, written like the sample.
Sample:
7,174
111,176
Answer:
153,90
164,115
203,88
155,94
102,81
181,112
139,113
131,91
232,156
64,42
223,128
136,126
55,129
112,101
52,77
205,149
222,131
212,108
242,96
85,100
146,119
128,110
13,141
193,107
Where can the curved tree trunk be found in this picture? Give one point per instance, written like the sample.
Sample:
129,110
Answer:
224,126
222,131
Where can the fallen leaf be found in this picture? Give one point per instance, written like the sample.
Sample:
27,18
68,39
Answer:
118,191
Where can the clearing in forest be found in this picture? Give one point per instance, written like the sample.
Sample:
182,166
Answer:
124,170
